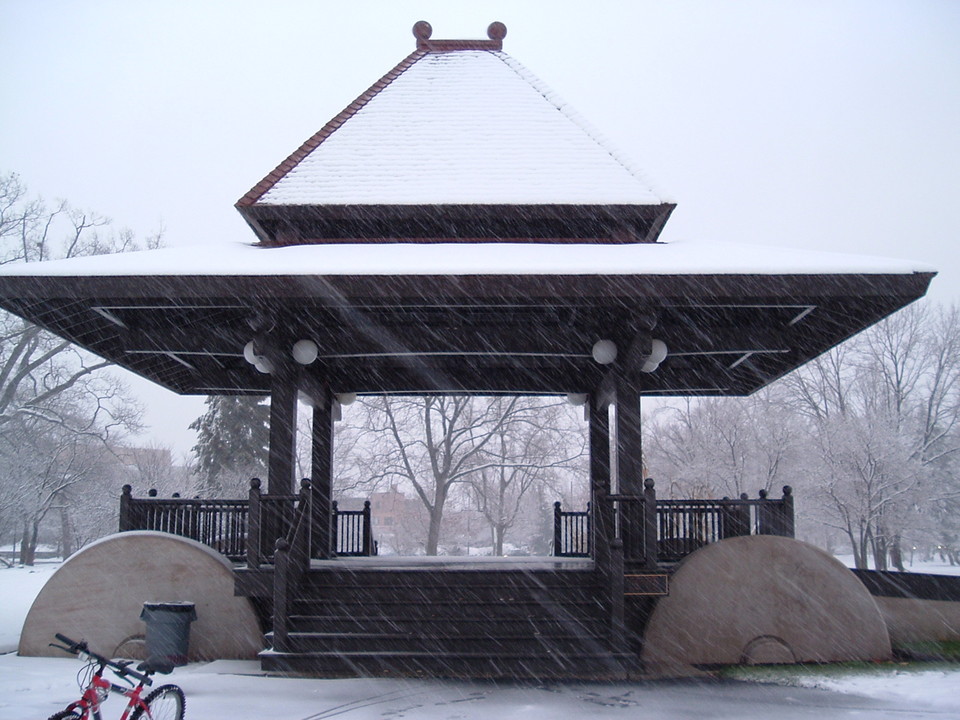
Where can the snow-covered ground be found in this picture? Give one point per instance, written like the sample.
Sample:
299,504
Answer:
18,587
37,687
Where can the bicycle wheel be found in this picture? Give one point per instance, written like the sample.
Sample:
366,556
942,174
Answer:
164,703
66,715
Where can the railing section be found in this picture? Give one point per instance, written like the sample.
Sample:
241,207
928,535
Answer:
353,532
572,532
684,526
654,531
221,524
243,529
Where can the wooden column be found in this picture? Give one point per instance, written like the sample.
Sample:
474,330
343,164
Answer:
629,467
629,447
603,520
326,412
283,430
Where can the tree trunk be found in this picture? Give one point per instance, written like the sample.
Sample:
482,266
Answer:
433,531
896,554
28,543
498,532
66,533
858,562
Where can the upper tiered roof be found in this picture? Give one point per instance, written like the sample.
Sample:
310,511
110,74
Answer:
459,141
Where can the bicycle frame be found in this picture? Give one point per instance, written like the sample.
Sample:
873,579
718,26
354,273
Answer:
98,689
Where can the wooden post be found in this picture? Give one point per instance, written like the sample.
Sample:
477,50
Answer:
281,589
604,523
367,530
334,529
324,415
649,523
629,465
254,525
629,447
618,624
283,421
557,531
788,527
126,509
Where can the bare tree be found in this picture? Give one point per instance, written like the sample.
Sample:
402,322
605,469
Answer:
433,444
883,412
48,387
531,449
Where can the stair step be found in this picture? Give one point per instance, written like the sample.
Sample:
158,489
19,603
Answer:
452,627
540,666
402,609
532,645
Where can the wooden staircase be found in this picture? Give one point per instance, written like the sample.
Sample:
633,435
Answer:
521,623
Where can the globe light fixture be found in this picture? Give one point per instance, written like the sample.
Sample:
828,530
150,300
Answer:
305,351
346,398
249,353
577,399
604,351
658,352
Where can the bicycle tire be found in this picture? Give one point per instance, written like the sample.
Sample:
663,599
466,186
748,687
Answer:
167,702
67,715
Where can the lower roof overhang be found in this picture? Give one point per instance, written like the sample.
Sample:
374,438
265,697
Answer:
727,333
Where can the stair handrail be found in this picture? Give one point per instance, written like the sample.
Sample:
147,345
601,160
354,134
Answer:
291,560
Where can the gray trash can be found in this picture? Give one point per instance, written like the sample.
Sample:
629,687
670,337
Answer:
168,630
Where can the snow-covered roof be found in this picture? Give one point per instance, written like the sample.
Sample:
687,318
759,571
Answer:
456,123
673,258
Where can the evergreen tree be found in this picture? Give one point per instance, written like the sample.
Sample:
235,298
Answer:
233,440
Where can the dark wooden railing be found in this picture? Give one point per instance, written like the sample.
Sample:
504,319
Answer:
243,530
572,532
221,524
655,531
684,526
353,532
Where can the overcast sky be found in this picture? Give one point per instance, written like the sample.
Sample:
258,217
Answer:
827,124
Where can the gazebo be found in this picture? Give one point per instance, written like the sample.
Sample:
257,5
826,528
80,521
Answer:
458,229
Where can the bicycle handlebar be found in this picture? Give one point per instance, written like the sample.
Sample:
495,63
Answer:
75,648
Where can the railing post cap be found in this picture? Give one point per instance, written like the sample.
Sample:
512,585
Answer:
255,483
744,496
763,494
366,503
152,492
281,545
305,484
126,489
787,491
649,483
557,504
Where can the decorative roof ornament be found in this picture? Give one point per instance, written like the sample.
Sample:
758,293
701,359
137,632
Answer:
423,31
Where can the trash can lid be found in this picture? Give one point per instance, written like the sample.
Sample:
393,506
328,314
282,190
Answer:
169,606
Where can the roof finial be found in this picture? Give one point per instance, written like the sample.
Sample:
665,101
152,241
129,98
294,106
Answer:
497,30
422,30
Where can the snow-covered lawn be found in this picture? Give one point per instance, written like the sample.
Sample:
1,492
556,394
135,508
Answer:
18,587
37,687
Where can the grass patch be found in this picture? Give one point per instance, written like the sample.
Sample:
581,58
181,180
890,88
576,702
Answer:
935,651
797,674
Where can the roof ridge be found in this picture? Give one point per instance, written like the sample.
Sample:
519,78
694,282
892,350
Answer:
568,111
294,159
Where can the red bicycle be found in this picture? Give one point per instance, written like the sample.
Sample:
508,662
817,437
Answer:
164,703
